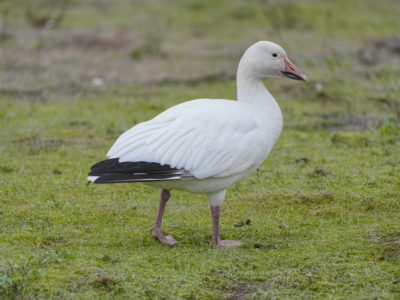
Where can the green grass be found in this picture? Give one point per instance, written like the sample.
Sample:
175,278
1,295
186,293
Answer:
323,209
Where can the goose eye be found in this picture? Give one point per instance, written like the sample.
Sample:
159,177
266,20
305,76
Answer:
274,54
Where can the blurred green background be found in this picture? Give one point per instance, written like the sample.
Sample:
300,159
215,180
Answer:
319,220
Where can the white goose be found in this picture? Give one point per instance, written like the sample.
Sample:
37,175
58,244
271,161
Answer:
205,145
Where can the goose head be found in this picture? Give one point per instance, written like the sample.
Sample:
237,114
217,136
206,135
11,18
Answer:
265,59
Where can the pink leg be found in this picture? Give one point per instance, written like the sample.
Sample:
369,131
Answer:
156,231
216,238
215,213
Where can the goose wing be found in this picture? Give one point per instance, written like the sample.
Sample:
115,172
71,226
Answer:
205,138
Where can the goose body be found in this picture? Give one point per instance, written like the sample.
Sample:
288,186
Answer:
204,145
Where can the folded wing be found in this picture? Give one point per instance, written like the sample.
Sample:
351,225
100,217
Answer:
205,138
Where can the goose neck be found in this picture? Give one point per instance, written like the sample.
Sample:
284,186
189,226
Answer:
251,89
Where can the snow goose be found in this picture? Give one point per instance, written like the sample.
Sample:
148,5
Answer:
205,145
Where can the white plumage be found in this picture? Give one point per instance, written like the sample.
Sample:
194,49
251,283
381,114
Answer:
205,145
208,138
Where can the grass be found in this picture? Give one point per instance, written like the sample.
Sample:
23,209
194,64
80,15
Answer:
319,220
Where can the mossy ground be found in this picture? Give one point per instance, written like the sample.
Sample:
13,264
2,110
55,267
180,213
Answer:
323,209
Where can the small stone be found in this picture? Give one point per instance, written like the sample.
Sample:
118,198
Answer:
318,86
98,82
240,224
283,226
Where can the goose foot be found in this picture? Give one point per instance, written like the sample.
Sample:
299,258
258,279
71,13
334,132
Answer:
156,232
216,238
164,239
228,244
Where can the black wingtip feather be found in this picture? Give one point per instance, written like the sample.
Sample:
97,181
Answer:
113,171
104,163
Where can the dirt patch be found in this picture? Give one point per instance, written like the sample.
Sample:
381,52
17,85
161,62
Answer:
334,122
36,145
105,283
87,40
342,122
212,77
388,245
46,144
52,241
319,172
80,124
382,50
21,94
389,102
315,198
342,139
244,290
44,20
